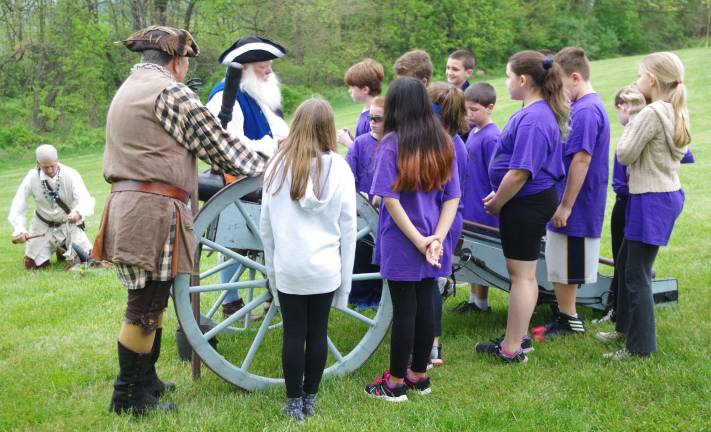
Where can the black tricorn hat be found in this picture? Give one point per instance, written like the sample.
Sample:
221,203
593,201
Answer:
171,40
250,49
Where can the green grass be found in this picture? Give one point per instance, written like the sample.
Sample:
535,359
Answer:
58,331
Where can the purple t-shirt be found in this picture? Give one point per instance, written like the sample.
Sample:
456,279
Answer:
461,159
530,141
650,216
589,133
361,158
620,182
363,124
619,174
397,256
481,146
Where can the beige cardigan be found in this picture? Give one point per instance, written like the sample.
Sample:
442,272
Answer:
648,150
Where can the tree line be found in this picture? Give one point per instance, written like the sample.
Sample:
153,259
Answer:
60,65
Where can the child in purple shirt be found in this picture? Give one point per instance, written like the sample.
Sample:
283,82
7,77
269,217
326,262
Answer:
448,100
361,158
417,178
481,145
523,173
365,81
573,234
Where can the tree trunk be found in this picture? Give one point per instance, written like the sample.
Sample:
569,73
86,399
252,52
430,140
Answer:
159,7
189,15
136,14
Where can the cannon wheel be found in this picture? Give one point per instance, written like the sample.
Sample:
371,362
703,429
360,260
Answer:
358,334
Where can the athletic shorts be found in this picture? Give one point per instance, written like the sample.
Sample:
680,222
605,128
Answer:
571,260
522,224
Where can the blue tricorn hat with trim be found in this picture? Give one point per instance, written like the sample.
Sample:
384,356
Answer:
250,49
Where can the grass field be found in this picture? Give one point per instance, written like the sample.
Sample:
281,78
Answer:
58,332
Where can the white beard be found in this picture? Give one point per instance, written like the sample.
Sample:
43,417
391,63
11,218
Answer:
264,92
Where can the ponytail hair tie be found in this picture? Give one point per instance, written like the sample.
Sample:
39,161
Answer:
547,63
677,82
437,109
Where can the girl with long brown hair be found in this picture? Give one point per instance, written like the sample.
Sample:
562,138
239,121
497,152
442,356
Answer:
417,178
308,230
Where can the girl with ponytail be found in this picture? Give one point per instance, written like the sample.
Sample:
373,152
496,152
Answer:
652,146
523,172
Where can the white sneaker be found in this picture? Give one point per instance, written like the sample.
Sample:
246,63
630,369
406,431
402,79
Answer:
609,337
622,354
605,318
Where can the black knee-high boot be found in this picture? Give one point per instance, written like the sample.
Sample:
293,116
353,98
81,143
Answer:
153,384
130,394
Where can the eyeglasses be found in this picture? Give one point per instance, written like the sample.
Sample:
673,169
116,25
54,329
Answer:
376,119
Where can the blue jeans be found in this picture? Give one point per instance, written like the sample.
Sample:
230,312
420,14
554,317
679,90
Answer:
225,276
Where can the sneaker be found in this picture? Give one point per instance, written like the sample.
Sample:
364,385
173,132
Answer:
466,307
309,402
623,354
294,408
446,287
526,345
360,307
381,390
494,348
609,337
436,356
421,386
609,316
561,325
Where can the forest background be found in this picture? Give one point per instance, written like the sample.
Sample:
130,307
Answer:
60,65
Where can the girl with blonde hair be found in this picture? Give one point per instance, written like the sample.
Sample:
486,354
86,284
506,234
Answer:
652,146
308,229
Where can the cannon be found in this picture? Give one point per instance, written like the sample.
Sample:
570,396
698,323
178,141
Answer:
250,340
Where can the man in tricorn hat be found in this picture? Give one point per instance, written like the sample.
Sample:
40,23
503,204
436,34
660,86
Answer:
155,128
256,114
61,204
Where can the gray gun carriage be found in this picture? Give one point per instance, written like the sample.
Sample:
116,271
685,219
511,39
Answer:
250,340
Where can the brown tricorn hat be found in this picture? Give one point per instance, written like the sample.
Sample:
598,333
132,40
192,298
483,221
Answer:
171,40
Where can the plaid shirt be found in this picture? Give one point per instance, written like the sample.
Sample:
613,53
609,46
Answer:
180,112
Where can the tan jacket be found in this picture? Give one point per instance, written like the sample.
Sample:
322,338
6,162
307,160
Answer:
648,150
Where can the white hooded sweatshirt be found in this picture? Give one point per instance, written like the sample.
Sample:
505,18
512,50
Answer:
309,244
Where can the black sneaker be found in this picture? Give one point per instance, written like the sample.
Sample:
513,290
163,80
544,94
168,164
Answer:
466,307
380,389
421,386
494,348
526,344
561,325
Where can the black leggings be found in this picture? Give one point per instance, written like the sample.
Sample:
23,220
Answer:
617,234
305,324
413,328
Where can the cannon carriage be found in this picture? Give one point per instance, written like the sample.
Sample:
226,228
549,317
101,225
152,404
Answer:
248,355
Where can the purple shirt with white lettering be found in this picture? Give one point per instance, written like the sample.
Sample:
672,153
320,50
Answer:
361,158
530,141
394,252
481,146
589,133
363,124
